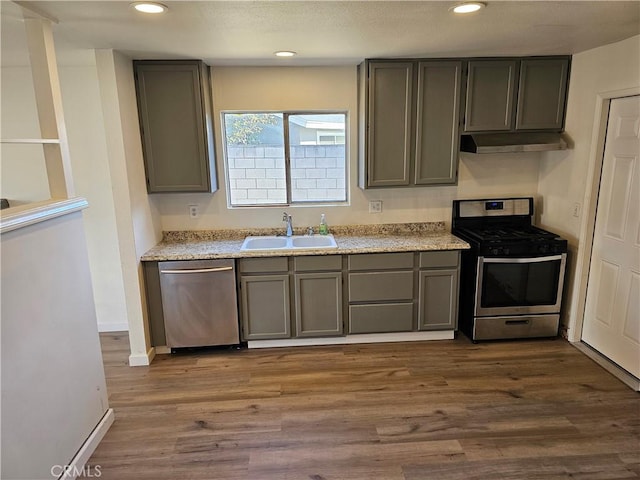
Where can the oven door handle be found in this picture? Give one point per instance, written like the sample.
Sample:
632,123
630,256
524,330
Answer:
523,260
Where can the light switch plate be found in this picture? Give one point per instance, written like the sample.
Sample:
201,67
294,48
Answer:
375,206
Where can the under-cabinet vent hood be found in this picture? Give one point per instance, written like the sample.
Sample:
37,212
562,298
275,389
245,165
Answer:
512,142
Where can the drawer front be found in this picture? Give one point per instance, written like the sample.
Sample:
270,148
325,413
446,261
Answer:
264,265
447,258
380,286
395,317
381,261
318,263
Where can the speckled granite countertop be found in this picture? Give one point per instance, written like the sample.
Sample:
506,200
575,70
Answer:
401,237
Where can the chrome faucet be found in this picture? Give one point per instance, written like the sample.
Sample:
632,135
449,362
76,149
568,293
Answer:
287,218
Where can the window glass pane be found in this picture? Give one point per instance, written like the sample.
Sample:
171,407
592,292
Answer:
318,165
255,158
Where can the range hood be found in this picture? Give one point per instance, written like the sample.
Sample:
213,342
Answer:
512,142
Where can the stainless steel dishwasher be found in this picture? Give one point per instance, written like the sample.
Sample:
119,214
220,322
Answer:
199,303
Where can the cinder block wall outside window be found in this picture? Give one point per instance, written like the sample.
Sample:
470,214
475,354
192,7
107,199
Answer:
257,173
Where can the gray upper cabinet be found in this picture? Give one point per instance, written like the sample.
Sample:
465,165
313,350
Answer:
174,107
437,122
542,93
521,94
490,95
389,122
412,120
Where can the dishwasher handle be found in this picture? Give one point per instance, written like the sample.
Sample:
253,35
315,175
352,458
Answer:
199,270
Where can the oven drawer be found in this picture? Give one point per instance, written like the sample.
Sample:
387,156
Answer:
492,328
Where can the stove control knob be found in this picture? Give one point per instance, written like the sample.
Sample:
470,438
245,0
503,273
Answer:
544,248
506,251
496,251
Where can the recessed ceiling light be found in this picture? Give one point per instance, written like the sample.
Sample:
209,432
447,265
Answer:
149,7
285,53
468,7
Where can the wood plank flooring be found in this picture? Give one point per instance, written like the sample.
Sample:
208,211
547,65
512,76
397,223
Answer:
406,411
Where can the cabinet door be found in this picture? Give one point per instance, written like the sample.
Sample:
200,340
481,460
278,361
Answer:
318,300
542,94
176,144
490,95
389,123
438,300
437,119
265,307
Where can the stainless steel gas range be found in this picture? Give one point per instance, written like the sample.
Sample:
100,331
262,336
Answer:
513,276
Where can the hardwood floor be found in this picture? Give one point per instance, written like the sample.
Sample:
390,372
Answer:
406,411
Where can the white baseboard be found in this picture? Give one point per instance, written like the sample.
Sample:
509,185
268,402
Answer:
113,327
77,464
142,359
162,350
352,339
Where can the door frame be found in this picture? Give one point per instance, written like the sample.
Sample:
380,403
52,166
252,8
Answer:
590,204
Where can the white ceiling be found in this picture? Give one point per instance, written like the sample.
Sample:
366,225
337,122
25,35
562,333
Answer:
334,32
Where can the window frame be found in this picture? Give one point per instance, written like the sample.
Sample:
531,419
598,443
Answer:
287,158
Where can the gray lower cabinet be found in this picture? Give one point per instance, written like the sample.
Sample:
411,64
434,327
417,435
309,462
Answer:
438,290
175,112
265,300
438,300
318,304
265,305
296,297
381,293
411,114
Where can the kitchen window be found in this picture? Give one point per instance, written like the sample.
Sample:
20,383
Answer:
284,158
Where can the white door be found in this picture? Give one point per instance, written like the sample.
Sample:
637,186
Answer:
612,314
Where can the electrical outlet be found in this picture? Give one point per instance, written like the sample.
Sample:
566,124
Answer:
375,206
193,211
576,210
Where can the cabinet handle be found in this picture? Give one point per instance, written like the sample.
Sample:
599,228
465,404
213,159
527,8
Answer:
199,270
517,322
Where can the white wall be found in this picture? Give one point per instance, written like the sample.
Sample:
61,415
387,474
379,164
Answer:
137,223
53,384
333,88
24,174
564,176
87,144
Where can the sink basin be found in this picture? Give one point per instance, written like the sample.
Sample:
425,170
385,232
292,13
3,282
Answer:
319,241
264,243
296,242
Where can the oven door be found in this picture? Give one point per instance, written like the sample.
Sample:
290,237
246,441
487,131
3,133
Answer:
519,286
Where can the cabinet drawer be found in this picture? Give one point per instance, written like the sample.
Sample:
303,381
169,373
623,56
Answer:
264,265
318,263
381,261
395,317
380,286
439,259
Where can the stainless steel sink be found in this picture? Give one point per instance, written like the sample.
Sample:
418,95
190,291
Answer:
296,242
